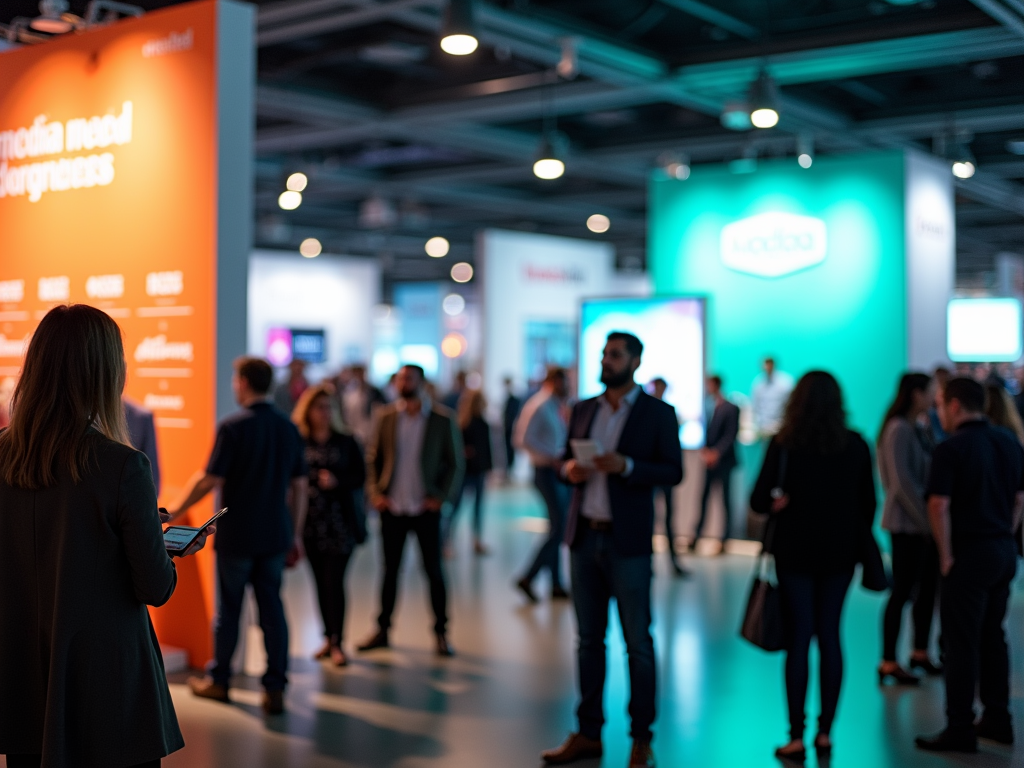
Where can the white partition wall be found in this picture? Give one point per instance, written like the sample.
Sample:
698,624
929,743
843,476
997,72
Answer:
532,285
335,293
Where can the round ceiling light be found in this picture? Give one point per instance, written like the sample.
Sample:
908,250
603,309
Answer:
311,248
964,169
462,272
459,45
436,247
454,345
765,117
453,304
599,223
548,168
289,200
297,182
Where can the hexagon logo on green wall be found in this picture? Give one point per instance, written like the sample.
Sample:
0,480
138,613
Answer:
774,244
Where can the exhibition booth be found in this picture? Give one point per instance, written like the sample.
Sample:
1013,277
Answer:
126,183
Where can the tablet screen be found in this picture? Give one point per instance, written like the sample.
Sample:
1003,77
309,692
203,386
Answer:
178,537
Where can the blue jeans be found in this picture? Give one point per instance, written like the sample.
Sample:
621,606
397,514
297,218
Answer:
264,573
556,498
599,573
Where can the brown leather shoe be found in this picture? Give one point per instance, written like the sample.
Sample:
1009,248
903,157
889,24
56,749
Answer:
641,756
273,702
576,747
379,640
205,688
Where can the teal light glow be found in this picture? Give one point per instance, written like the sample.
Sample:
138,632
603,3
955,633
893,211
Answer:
828,295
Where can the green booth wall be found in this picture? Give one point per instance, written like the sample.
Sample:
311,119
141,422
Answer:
846,314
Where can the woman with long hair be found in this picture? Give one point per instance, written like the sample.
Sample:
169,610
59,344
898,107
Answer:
1001,410
817,485
81,556
335,523
476,440
904,460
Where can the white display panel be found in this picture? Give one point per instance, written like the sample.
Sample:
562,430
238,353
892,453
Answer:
985,330
672,332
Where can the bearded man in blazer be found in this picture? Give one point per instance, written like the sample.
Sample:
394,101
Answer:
414,466
609,533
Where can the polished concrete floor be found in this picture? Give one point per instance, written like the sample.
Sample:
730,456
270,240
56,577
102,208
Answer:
509,692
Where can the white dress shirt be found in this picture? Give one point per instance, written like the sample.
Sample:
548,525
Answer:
769,401
606,430
408,492
540,429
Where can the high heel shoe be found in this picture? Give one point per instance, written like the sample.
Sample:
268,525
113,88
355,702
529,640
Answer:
823,745
899,675
792,754
926,666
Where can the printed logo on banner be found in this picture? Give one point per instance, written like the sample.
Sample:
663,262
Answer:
158,348
105,286
54,288
13,347
774,244
165,283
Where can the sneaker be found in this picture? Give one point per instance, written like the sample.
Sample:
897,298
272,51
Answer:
205,688
273,702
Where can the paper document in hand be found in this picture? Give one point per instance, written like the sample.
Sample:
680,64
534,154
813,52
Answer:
585,451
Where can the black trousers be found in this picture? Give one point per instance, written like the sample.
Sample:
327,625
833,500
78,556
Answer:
549,555
666,492
34,761
394,529
717,476
915,566
974,598
329,571
812,606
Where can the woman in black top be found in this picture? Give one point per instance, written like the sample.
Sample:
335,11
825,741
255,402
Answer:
335,523
81,557
476,440
818,485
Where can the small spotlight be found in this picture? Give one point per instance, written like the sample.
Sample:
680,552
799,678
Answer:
462,272
454,345
436,247
289,200
311,248
548,166
458,33
764,111
764,118
805,150
453,304
805,161
297,182
599,223
963,170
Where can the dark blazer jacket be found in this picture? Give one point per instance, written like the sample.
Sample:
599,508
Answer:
650,437
722,431
81,676
442,459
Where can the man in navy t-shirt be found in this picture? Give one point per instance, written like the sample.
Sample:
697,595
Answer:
258,466
975,500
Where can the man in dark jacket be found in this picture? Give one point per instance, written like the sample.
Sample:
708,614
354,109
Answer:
975,503
609,531
719,456
414,465
258,466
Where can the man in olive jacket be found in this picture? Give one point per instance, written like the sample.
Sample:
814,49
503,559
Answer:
414,464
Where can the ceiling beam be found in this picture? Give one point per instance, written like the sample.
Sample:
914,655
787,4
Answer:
1002,14
335,22
714,16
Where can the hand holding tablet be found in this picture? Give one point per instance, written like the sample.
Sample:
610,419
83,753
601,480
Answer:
179,540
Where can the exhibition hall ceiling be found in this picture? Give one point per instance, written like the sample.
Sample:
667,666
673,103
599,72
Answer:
401,141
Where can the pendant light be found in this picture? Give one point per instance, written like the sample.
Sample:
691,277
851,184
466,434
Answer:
458,34
764,105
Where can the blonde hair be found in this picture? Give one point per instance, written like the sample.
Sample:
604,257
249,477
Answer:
1002,412
72,379
300,414
471,405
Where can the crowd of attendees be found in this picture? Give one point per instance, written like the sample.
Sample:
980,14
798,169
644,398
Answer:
301,465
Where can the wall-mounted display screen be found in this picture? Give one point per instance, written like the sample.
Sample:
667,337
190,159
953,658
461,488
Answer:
985,330
672,332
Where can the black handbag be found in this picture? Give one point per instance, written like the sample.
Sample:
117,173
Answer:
762,621
873,575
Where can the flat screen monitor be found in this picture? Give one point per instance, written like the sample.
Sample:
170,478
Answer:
672,332
309,345
985,330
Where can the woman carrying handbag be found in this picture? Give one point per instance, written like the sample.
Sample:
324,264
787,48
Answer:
821,512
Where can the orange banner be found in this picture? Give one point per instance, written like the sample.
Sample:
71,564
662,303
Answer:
108,197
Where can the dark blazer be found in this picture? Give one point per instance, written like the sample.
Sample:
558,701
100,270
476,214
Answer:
722,431
831,506
650,437
81,676
442,460
477,440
